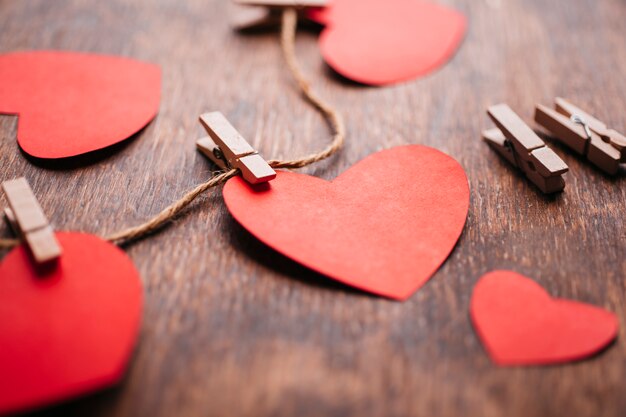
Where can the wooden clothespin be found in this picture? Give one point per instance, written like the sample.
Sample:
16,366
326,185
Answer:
586,135
519,145
228,149
29,222
267,13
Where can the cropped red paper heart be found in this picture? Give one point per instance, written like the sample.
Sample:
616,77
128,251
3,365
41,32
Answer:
384,42
384,226
67,330
73,103
520,324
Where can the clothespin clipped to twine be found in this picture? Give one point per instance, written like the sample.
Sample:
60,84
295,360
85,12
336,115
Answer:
29,222
228,150
265,14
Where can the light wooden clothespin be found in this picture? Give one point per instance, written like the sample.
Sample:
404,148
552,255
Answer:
264,14
518,144
29,222
583,133
228,149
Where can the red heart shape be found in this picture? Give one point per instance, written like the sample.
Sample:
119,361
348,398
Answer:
69,330
383,42
520,324
73,103
384,226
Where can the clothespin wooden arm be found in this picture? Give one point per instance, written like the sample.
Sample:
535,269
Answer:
228,149
526,144
514,128
568,109
561,126
28,220
498,142
209,149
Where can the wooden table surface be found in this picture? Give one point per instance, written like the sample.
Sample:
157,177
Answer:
231,328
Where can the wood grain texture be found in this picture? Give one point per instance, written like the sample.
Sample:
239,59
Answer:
231,328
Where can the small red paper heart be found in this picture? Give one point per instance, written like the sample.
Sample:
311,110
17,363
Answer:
384,42
520,324
73,103
384,226
68,330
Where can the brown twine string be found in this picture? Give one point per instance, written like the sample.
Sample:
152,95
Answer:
333,118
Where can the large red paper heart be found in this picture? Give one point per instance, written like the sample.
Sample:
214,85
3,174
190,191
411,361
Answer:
73,103
383,42
68,330
520,324
384,226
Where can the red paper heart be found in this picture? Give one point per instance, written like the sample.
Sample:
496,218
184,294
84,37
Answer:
384,226
72,103
520,324
67,331
383,42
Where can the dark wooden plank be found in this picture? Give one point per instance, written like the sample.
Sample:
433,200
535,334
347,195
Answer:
233,329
